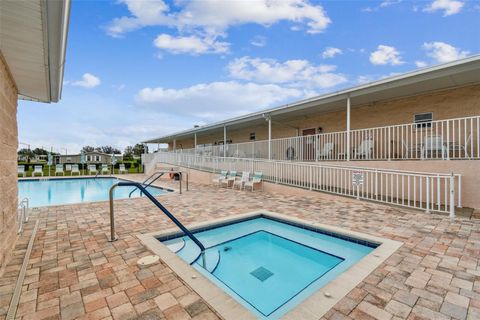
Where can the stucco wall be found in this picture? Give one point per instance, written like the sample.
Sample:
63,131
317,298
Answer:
446,104
8,163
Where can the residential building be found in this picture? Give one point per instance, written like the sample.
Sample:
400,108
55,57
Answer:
94,157
425,121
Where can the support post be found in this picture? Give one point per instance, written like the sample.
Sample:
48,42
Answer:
174,145
224,141
348,128
269,138
452,196
195,144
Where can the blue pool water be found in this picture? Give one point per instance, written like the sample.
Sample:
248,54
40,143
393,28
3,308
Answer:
51,192
270,266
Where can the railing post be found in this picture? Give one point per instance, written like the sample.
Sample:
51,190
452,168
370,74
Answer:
427,196
311,177
389,142
452,196
112,218
348,128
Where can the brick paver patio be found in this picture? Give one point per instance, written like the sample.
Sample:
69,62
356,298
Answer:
75,273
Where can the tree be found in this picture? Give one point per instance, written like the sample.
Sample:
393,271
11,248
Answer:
108,150
27,153
139,149
40,152
88,149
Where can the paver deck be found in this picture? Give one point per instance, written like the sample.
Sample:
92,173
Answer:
75,273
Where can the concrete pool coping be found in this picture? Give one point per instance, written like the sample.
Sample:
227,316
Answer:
313,307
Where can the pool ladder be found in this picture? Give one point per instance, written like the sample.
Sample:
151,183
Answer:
138,185
158,174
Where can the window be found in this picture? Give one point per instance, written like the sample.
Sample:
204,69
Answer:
423,120
69,159
252,136
88,158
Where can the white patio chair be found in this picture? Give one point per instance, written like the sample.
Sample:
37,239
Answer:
59,169
364,150
434,146
68,168
105,169
240,183
37,170
257,179
121,168
21,170
92,168
230,179
222,176
326,151
75,169
458,147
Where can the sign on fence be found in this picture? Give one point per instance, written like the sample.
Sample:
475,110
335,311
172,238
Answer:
357,178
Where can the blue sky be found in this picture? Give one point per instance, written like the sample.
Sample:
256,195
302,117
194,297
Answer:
140,69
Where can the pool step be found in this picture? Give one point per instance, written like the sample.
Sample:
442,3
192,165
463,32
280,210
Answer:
176,245
189,252
212,259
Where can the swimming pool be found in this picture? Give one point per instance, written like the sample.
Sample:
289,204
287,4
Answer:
267,265
50,192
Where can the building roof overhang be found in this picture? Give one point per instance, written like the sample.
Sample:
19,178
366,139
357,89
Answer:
453,74
33,39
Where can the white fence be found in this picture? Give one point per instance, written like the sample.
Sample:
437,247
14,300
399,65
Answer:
419,190
441,139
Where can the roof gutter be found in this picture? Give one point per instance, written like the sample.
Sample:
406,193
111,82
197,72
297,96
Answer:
58,18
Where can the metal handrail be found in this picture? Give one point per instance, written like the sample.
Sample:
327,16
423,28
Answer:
150,183
160,206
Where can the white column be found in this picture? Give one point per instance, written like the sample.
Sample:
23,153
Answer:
348,128
269,138
224,141
195,144
174,145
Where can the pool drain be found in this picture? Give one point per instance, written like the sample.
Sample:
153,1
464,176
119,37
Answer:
148,260
225,249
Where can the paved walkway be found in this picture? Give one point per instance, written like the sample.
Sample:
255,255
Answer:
74,272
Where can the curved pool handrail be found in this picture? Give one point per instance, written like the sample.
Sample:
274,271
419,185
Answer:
150,183
159,205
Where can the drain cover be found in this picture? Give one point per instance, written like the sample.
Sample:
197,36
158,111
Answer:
261,273
148,260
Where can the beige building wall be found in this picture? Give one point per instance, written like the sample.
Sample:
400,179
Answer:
8,163
445,104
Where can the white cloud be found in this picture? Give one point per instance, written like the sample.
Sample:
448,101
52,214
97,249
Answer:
216,16
421,64
443,52
295,73
383,4
190,44
217,100
88,81
331,52
386,55
258,41
449,7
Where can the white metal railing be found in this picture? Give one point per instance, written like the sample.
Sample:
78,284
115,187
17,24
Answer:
419,190
441,139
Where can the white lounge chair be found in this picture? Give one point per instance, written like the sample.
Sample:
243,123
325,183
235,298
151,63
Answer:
230,179
92,169
222,176
257,179
59,169
37,170
21,170
240,183
434,146
121,168
68,168
326,151
105,169
75,169
364,150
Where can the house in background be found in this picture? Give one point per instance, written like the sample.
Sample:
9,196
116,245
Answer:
33,36
93,157
426,122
